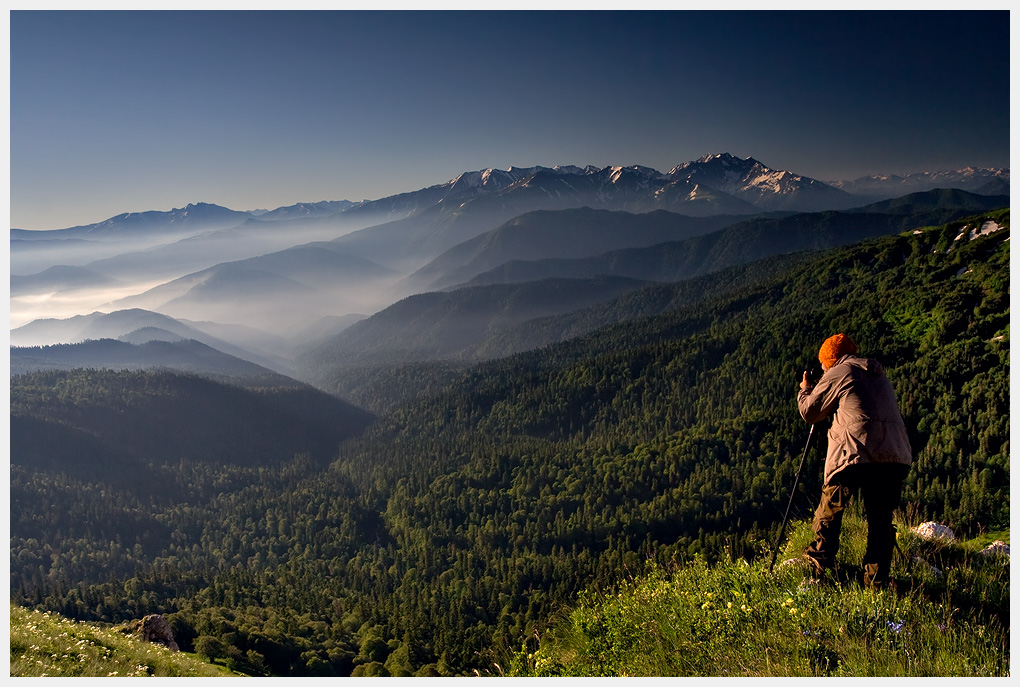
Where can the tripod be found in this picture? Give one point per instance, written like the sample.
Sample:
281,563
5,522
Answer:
786,516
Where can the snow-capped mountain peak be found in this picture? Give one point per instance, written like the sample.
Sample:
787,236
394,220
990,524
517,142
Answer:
492,179
722,158
750,180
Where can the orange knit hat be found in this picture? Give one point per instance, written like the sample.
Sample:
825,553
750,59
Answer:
834,348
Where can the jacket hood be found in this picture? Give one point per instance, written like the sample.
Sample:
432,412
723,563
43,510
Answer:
869,365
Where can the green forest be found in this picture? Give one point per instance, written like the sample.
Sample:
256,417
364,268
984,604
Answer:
485,497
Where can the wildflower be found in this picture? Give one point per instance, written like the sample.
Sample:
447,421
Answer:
895,627
729,604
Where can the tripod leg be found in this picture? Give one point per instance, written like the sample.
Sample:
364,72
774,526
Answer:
786,516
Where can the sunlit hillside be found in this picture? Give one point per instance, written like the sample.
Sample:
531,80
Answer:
45,644
948,616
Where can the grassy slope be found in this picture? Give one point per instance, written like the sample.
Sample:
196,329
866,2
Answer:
740,619
46,644
731,619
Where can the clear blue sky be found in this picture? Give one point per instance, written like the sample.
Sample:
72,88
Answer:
129,111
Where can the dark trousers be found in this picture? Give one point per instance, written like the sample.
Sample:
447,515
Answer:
880,486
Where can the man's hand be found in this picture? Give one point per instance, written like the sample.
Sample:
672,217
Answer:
805,383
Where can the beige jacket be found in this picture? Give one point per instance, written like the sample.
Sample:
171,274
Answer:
866,422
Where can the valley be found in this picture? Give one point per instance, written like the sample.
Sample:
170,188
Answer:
402,436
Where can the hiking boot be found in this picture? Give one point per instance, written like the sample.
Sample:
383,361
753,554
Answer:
816,568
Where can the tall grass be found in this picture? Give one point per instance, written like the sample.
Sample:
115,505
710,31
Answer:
46,644
947,617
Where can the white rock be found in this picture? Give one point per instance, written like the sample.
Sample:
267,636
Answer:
933,530
997,546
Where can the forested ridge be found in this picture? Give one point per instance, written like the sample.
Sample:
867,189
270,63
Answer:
464,519
184,355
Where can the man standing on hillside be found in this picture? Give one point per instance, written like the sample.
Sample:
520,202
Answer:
869,453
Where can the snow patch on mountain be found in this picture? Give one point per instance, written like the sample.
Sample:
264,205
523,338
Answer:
987,227
695,193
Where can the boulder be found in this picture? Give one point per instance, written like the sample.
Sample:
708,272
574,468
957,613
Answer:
155,629
997,546
933,530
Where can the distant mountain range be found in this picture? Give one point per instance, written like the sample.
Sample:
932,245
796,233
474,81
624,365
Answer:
478,201
271,282
985,181
722,181
420,225
177,221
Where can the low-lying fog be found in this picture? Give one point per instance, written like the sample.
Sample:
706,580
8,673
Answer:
211,276
63,304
